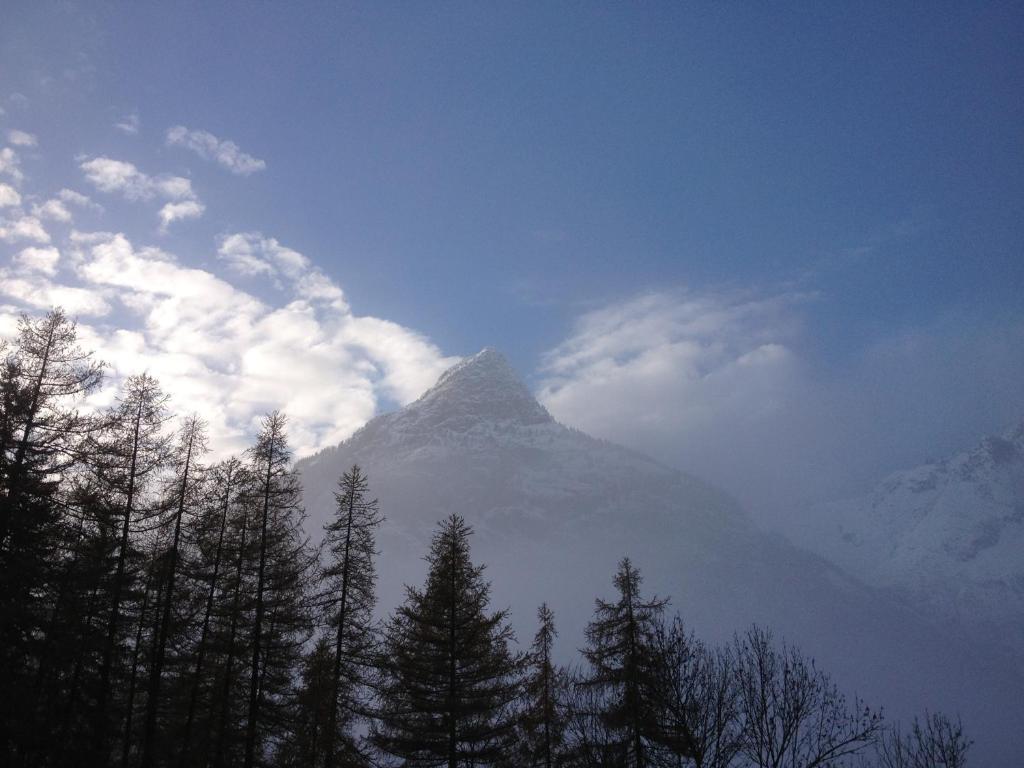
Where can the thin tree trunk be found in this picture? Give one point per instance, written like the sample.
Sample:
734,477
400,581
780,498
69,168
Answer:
126,747
157,667
229,663
452,730
115,608
201,650
254,692
332,721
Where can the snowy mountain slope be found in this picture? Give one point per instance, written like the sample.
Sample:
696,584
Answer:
947,535
554,510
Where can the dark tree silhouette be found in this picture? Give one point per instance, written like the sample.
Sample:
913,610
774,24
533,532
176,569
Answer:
622,660
696,699
131,451
938,742
449,676
350,579
795,716
542,723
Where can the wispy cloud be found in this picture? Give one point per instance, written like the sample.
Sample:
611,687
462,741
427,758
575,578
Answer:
10,164
726,385
21,138
129,123
53,209
9,196
23,227
221,151
186,209
119,176
250,254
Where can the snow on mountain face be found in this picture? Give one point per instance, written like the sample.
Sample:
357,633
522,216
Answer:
949,535
554,510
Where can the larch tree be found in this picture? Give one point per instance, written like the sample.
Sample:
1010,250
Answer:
129,454
44,375
183,495
623,667
225,481
450,679
542,722
284,560
350,581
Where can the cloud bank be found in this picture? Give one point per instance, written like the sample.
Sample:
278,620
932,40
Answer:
726,386
221,351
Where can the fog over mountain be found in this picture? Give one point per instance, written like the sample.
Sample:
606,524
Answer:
554,510
949,535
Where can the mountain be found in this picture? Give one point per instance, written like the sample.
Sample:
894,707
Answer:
949,536
553,511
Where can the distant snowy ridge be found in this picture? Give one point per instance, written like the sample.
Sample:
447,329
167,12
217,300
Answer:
949,535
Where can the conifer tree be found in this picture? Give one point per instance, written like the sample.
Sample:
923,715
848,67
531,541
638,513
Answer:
623,668
233,645
281,621
183,495
42,378
130,453
212,528
306,749
350,579
542,723
449,676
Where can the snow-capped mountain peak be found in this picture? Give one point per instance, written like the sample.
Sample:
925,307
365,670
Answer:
481,388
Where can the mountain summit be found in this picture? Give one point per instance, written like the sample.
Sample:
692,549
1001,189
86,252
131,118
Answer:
480,388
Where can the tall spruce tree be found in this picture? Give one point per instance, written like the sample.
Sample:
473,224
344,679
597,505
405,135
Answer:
623,668
449,677
350,578
542,722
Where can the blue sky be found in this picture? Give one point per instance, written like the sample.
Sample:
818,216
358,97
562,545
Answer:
818,203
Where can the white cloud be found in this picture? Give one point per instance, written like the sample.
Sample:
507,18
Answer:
225,153
9,164
39,293
77,198
726,386
119,176
230,356
38,260
249,253
23,228
21,138
171,212
129,123
672,364
9,196
53,209
109,175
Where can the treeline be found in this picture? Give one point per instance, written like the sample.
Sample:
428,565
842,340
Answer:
159,609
